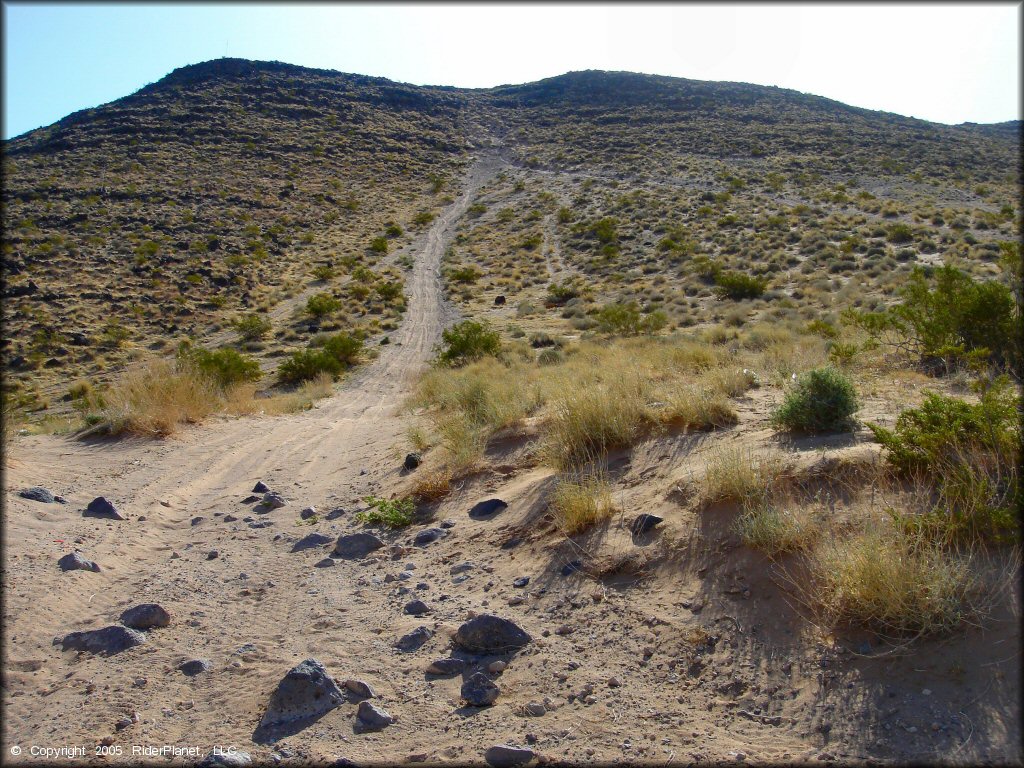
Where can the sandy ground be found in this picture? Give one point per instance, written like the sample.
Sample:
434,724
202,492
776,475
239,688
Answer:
674,648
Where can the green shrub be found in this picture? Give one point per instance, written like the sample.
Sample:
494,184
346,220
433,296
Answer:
626,320
821,400
899,233
223,366
392,230
389,290
394,513
737,285
323,272
379,245
466,341
307,364
468,274
251,327
341,346
322,304
560,294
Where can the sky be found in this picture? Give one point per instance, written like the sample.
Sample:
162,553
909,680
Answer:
947,63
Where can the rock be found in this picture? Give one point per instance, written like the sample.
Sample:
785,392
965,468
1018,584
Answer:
536,709
428,535
357,545
614,682
372,718
307,513
213,554
412,460
486,509
307,691
446,524
123,723
327,562
312,541
38,494
499,301
572,567
103,642
359,688
260,487
229,758
522,581
479,690
273,500
100,507
488,633
497,667
643,523
412,641
229,518
505,756
194,667
416,608
197,520
146,616
250,499
449,666
75,562
461,568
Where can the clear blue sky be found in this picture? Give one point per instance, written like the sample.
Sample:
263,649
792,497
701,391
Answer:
944,62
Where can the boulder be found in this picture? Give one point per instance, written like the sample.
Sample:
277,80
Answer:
489,508
353,546
38,494
412,641
450,666
100,507
312,541
307,691
370,717
506,756
643,523
479,690
488,633
429,535
75,562
103,642
146,616
194,667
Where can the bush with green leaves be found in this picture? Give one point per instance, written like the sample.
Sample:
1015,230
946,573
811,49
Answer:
224,366
379,245
737,285
321,305
344,347
559,294
468,274
252,327
949,319
394,513
324,272
307,364
626,320
820,400
467,341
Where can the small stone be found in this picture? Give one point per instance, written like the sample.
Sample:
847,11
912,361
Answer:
38,494
100,507
250,499
229,518
103,642
926,692
327,562
521,582
536,709
506,756
197,520
479,690
123,723
260,487
213,554
643,523
487,509
231,758
412,641
412,460
146,616
428,536
357,545
312,541
446,524
307,513
273,500
361,689
461,568
75,562
370,717
450,666
193,667
416,608
614,682
497,667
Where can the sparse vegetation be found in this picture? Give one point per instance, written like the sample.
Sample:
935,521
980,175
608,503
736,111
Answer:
393,513
821,400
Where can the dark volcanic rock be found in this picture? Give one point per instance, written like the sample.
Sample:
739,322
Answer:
488,508
370,717
360,688
488,633
357,545
146,616
312,541
194,667
505,756
307,691
479,690
100,507
260,487
412,641
273,501
416,608
104,642
428,535
449,666
643,523
412,460
38,494
75,562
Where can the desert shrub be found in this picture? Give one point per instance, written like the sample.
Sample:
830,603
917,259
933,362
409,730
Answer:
324,272
343,347
379,245
560,294
468,274
741,475
392,230
585,423
467,341
821,400
578,503
550,357
252,327
389,290
224,366
626,320
423,218
321,305
899,233
393,513
308,364
737,285
775,529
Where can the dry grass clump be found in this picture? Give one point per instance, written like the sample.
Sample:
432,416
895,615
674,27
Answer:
433,485
581,501
241,399
775,528
742,475
895,580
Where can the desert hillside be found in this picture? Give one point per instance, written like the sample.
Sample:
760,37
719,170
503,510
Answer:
611,418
